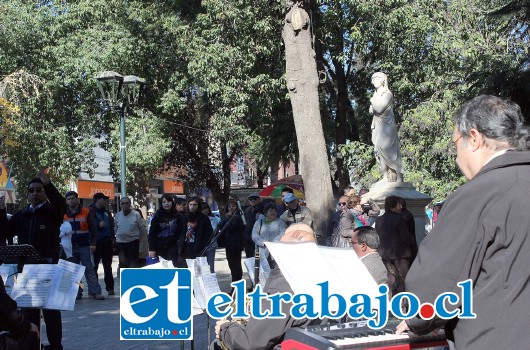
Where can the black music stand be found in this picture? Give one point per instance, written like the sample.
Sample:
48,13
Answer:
21,254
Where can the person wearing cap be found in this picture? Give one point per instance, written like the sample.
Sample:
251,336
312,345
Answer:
296,213
105,242
84,240
252,213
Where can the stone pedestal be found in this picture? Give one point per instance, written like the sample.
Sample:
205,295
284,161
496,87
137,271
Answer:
416,201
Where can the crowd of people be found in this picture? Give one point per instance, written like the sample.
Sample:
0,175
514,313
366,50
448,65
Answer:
177,231
482,235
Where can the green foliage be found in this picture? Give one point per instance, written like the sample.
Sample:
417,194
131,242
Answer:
359,158
146,149
437,55
216,89
39,139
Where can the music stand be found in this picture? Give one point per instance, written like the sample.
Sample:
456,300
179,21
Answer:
21,254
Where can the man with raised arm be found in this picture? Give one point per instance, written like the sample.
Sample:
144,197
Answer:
38,225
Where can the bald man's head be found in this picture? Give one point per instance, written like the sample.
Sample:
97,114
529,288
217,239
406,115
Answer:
299,233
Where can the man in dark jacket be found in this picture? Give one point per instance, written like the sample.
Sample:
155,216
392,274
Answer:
105,242
15,330
397,246
38,225
408,216
483,232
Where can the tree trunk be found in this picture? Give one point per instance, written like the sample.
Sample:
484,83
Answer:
302,82
341,127
275,167
221,195
260,174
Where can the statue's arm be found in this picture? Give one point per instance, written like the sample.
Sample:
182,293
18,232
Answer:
379,105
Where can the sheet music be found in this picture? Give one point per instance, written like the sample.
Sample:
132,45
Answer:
48,286
205,284
210,285
198,288
197,310
264,270
162,264
64,289
203,263
34,284
191,264
345,262
305,265
8,271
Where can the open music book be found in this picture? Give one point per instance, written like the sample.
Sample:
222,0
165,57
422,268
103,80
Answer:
8,272
205,284
168,264
48,286
305,265
264,269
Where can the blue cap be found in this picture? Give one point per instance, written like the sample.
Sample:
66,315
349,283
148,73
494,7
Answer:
289,198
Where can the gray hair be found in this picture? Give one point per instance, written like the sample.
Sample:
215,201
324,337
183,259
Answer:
368,235
499,121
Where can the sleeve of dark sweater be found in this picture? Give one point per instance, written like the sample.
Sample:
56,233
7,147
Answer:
92,229
10,318
153,231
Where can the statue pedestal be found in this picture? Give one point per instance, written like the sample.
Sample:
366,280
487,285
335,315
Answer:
416,201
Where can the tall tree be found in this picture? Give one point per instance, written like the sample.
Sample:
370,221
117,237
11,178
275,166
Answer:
302,82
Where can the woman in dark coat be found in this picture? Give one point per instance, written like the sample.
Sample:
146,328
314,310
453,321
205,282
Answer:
164,231
196,233
232,239
397,246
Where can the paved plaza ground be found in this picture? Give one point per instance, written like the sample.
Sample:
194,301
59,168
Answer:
94,324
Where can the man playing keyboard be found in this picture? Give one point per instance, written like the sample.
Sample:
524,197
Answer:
482,233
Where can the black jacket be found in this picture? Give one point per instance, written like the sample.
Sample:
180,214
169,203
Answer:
203,232
251,215
39,228
483,234
233,231
11,319
165,228
395,240
99,215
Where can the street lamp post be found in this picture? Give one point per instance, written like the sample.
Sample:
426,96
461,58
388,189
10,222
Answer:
120,93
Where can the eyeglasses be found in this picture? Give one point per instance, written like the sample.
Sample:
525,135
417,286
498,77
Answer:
253,198
125,203
36,189
452,145
342,203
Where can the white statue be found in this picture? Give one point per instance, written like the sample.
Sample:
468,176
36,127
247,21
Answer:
384,130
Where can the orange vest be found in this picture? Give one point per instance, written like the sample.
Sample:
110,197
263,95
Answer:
79,222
